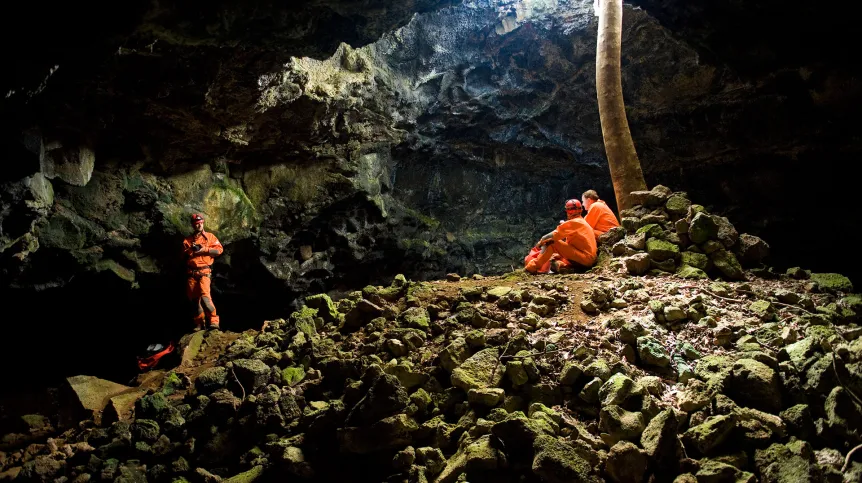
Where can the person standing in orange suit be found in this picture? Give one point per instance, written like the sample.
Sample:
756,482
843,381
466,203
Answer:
200,250
599,215
571,245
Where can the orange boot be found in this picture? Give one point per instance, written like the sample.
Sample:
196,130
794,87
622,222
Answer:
214,320
199,319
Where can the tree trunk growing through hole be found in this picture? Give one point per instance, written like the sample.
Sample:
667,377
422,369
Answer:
626,173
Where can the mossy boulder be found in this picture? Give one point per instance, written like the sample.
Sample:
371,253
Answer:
618,424
211,379
292,376
708,436
616,390
652,353
626,462
715,470
652,230
832,282
691,273
696,260
471,456
558,462
660,250
755,385
727,264
325,307
660,441
392,432
762,309
252,373
416,318
677,205
702,228
792,462
480,371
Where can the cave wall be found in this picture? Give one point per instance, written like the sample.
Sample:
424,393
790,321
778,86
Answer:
333,144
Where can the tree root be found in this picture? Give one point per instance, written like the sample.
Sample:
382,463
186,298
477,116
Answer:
237,381
847,459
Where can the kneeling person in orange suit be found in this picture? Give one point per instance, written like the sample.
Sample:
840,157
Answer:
600,217
571,245
200,249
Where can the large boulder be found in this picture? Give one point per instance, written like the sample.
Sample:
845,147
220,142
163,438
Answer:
661,442
654,197
85,397
362,313
652,353
471,456
391,432
324,306
727,234
71,163
626,463
751,250
787,463
637,264
832,282
253,374
385,397
727,264
696,260
677,205
481,370
706,437
557,462
660,250
756,385
702,228
618,424
211,379
416,318
612,236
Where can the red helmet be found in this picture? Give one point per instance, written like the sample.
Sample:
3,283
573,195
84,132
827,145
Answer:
197,217
573,205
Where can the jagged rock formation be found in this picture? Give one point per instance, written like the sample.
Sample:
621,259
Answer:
333,144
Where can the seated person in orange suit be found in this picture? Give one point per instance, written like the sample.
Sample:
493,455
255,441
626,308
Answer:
600,217
572,245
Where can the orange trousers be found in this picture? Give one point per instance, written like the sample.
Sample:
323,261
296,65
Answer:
565,251
198,288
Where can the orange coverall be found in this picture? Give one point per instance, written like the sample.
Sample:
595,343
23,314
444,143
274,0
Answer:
199,267
601,218
573,241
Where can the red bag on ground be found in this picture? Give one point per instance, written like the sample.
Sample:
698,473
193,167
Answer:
534,253
147,363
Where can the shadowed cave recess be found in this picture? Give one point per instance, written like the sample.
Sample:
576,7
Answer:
332,144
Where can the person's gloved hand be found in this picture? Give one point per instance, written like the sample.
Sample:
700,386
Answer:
195,249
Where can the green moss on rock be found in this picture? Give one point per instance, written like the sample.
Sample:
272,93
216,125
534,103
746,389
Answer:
832,282
702,228
323,306
677,205
660,250
691,273
481,370
696,260
727,264
292,376
651,230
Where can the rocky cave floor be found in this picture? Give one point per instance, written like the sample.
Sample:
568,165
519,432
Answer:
666,362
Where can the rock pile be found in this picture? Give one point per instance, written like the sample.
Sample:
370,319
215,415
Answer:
603,376
666,232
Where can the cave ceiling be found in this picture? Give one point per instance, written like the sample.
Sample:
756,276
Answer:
421,136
